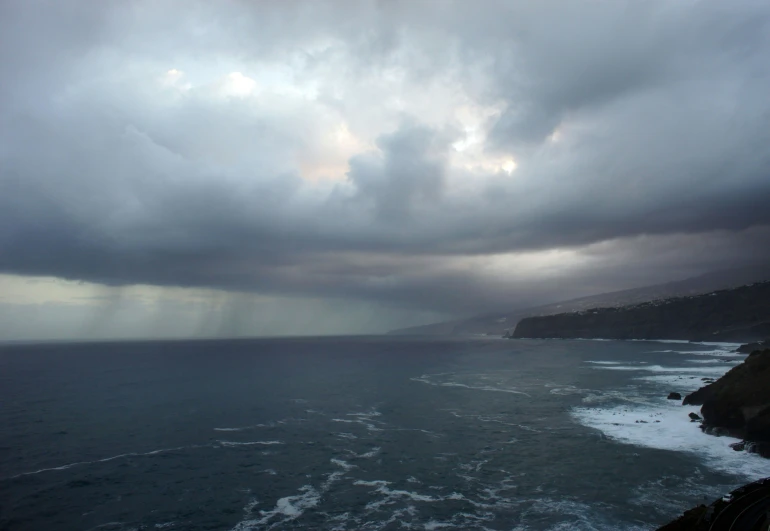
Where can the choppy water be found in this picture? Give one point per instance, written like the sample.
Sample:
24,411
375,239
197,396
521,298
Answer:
357,433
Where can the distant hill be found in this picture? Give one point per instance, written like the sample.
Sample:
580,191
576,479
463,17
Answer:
737,314
502,323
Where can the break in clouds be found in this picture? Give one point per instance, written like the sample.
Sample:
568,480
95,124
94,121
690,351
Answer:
440,158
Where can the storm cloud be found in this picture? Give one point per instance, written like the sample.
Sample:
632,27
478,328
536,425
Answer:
433,156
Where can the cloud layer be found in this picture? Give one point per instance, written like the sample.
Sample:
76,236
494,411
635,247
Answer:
440,157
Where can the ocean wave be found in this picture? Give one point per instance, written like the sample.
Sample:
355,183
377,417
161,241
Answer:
425,378
286,509
104,460
655,422
660,368
247,443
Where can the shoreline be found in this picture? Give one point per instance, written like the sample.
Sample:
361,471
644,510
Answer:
642,414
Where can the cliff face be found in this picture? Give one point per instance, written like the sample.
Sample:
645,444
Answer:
740,314
743,509
738,403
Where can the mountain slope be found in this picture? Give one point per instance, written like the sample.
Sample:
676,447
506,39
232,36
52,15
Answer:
500,323
737,314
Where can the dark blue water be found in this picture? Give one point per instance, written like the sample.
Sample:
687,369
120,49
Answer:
336,433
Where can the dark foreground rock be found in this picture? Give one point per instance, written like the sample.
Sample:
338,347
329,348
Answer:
674,396
738,403
744,509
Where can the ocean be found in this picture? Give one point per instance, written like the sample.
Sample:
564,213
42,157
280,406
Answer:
352,433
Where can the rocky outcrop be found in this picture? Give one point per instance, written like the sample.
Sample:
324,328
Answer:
738,403
674,396
740,314
751,347
744,509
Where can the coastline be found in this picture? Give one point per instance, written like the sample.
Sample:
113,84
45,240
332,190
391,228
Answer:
733,391
642,414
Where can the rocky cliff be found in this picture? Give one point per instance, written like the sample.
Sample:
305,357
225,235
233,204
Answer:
739,314
738,403
744,509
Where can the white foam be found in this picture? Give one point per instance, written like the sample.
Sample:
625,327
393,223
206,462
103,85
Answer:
289,508
253,426
675,341
344,464
391,495
366,419
432,525
660,368
715,353
248,443
104,460
721,362
425,378
656,422
568,390
286,509
494,418
720,344
666,427
682,383
371,453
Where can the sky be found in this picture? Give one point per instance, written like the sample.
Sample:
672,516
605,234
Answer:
189,168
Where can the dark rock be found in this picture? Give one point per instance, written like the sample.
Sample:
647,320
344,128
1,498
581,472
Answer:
674,396
695,416
692,520
758,426
697,398
725,512
715,430
738,403
739,446
751,347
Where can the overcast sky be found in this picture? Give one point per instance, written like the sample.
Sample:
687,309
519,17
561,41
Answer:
173,168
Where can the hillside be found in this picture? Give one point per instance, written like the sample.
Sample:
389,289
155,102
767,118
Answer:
738,314
501,322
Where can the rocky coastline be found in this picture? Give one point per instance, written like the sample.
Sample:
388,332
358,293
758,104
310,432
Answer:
744,509
735,405
738,404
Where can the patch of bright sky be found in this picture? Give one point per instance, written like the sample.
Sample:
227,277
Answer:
355,110
43,290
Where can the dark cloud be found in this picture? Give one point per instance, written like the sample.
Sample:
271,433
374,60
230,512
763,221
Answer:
406,176
633,125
